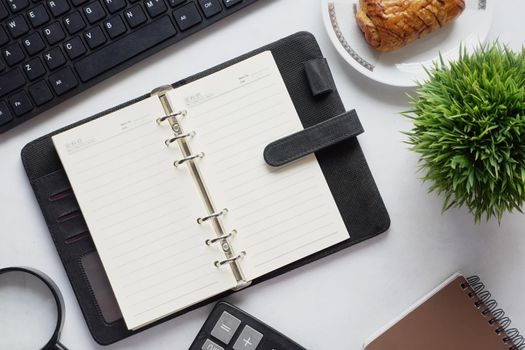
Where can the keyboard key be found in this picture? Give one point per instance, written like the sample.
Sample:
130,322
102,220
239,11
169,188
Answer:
34,69
13,54
78,2
54,58
74,23
135,16
3,11
155,7
17,26
95,37
58,7
210,7
74,48
63,81
20,103
2,66
115,27
3,37
125,48
54,33
248,340
38,16
115,5
17,5
41,93
11,81
34,43
226,327
174,3
230,3
94,12
5,114
209,345
187,16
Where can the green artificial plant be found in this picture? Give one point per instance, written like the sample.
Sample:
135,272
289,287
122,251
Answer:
469,130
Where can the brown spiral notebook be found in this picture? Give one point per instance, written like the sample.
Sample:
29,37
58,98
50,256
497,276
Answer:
458,315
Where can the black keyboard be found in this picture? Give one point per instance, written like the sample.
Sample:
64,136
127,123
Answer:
54,49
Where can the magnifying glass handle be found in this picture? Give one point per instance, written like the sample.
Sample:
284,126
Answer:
59,346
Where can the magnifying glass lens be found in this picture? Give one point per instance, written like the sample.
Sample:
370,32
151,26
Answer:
28,312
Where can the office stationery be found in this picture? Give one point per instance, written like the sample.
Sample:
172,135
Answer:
230,328
459,314
338,169
406,66
144,215
53,50
32,310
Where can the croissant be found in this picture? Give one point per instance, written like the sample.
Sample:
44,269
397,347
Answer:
392,24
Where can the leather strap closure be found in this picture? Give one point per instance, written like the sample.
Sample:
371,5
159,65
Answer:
319,77
313,139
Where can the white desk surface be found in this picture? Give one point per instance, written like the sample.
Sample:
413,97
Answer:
335,303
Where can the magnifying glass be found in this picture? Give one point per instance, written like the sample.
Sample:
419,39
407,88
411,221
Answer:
31,310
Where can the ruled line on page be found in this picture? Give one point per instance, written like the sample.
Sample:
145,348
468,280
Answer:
178,297
295,249
267,238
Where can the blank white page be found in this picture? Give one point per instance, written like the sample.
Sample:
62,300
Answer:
281,215
141,213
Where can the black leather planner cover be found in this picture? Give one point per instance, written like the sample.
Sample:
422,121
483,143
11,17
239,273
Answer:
343,165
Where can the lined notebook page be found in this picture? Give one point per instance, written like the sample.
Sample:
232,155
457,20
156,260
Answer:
281,215
141,213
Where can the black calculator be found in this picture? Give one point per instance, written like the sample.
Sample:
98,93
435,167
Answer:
229,328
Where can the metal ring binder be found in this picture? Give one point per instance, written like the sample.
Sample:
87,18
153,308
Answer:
220,238
168,142
512,337
171,115
181,138
191,157
230,260
212,216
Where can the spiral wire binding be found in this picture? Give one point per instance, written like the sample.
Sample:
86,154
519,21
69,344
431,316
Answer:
512,335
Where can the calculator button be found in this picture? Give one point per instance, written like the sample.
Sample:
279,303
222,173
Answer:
226,327
209,345
248,340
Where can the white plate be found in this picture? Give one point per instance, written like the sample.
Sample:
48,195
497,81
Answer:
404,67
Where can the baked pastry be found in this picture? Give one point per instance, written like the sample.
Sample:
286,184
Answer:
391,24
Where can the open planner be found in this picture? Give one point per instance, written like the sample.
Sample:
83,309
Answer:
196,190
178,199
